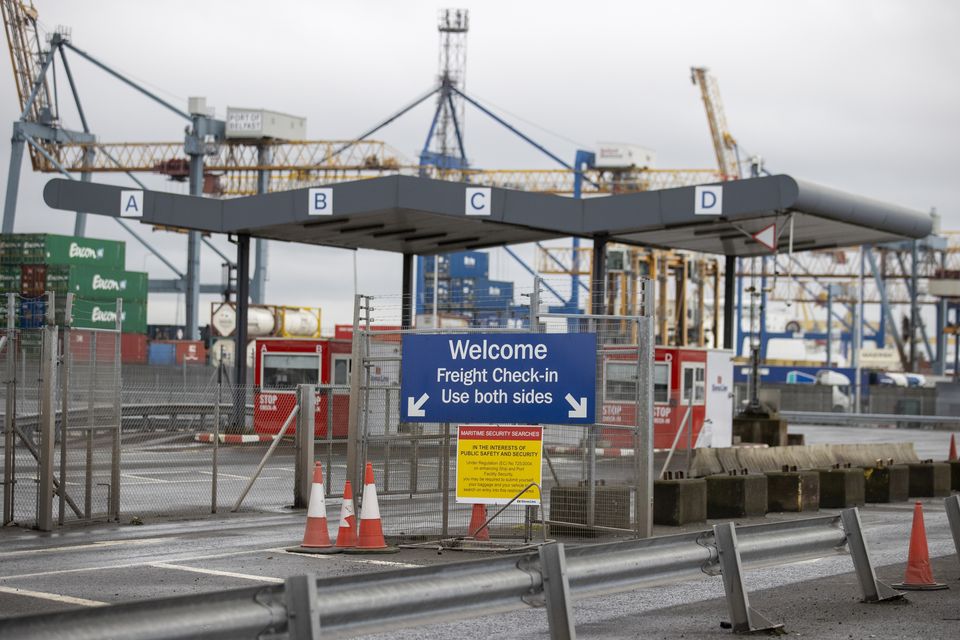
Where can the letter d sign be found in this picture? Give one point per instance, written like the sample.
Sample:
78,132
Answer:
708,201
478,201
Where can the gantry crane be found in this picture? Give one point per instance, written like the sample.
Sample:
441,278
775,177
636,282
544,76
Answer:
724,144
216,165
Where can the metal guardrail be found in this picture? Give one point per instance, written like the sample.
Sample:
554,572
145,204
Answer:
306,607
828,417
143,410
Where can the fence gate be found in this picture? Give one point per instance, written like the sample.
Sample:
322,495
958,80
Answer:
61,416
415,463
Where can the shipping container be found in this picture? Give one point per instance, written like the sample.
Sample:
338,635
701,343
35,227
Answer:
162,353
108,284
102,314
33,280
261,319
9,278
186,351
299,322
82,342
133,348
45,248
260,123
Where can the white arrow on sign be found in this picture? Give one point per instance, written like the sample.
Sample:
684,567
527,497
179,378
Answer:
414,408
579,409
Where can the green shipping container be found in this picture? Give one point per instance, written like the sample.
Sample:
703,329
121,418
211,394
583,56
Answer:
45,248
93,314
106,284
9,279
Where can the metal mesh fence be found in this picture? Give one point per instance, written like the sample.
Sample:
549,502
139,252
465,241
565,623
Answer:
21,402
89,415
584,493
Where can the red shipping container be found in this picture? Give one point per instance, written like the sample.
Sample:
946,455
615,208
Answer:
82,340
191,352
33,280
133,348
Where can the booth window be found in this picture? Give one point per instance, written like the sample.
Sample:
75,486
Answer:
342,366
621,381
661,382
694,382
287,370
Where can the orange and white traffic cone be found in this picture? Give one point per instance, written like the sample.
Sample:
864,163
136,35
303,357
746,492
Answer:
477,519
953,449
918,576
370,538
347,533
316,537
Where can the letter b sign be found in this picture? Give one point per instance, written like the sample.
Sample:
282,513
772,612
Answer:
320,202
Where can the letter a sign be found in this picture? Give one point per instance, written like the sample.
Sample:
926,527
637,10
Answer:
131,204
708,201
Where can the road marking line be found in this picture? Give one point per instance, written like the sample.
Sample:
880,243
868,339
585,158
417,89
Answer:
129,565
77,547
216,572
52,596
136,477
230,475
348,557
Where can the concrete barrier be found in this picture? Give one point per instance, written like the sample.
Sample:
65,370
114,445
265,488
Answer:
885,483
929,479
793,491
842,488
736,496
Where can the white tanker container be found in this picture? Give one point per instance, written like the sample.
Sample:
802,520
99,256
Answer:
226,349
261,321
299,322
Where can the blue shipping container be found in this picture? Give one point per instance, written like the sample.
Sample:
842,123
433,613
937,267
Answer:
161,353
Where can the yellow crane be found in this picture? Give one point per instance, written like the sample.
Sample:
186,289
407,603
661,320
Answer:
232,168
724,144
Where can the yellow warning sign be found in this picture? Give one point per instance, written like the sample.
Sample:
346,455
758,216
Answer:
495,463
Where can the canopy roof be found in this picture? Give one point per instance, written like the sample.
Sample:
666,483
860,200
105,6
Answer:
423,216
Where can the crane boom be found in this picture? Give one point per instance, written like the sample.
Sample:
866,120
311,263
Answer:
724,144
23,41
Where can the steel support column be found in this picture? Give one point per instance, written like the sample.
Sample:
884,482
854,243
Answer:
598,304
406,289
80,222
243,305
193,256
914,304
258,292
13,180
729,300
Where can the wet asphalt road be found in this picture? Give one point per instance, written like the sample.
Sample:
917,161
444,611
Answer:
77,567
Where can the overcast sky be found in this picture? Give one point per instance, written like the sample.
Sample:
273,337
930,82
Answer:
860,95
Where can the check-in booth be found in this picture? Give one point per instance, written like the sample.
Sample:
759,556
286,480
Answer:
684,378
281,364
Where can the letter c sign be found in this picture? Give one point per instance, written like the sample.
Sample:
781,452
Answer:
708,201
478,201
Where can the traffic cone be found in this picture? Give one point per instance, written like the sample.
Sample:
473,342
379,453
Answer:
477,520
370,538
919,576
953,449
347,533
316,538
